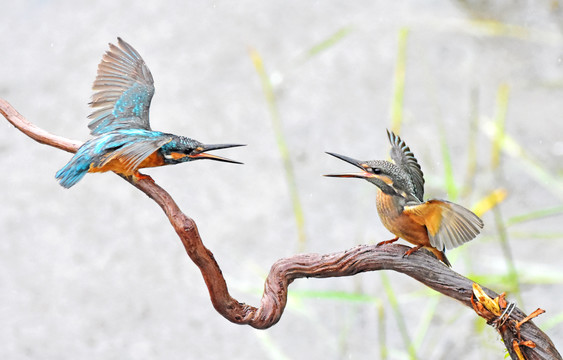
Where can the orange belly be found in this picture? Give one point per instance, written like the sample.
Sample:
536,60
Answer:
118,165
404,227
398,223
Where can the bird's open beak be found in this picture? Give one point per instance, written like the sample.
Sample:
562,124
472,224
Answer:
360,164
199,153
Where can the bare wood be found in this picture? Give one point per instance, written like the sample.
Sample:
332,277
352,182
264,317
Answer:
37,134
419,266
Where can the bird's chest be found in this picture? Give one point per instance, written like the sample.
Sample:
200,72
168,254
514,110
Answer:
390,209
153,160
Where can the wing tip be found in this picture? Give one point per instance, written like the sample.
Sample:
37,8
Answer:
120,69
392,137
459,226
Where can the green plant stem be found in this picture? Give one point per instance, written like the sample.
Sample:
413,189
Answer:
398,315
283,148
507,251
449,179
325,44
399,81
472,143
503,94
535,215
382,335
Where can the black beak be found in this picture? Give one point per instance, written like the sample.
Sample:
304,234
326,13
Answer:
199,153
360,164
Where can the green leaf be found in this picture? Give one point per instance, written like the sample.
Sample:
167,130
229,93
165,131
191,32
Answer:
334,295
326,44
535,215
529,165
552,321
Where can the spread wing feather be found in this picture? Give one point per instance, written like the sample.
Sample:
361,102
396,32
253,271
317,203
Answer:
403,157
449,225
124,88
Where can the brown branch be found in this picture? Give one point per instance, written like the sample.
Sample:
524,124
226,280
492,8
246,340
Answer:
37,134
419,266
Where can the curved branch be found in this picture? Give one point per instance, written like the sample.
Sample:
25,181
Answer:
37,134
419,266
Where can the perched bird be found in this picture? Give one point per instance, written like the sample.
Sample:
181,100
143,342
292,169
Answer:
435,225
124,141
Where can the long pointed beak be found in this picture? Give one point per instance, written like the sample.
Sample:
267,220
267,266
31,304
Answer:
199,153
360,164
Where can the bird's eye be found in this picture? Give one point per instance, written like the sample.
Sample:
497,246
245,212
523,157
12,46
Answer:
376,170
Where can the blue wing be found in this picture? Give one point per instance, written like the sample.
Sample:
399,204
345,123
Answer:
132,146
124,90
131,152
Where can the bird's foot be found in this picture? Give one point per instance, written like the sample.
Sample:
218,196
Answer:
137,176
411,250
387,242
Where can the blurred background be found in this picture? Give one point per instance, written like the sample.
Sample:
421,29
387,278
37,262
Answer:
97,272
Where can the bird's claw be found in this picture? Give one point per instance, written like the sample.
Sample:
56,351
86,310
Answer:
387,242
137,176
411,250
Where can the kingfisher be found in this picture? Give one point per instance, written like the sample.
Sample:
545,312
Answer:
435,225
123,140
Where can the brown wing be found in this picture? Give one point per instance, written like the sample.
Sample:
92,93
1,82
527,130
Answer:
449,225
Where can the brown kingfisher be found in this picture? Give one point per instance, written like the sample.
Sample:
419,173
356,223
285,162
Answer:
435,225
123,140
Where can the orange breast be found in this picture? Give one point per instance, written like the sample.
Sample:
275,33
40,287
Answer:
118,164
399,223
153,160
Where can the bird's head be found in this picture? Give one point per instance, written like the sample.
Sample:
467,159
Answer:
383,174
183,149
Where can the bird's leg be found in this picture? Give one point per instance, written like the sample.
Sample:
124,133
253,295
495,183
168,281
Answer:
411,250
387,241
138,176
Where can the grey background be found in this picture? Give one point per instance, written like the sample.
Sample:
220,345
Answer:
96,272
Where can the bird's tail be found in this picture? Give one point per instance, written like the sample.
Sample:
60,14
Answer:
441,255
72,172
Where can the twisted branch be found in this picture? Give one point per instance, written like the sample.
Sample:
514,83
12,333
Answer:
419,266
